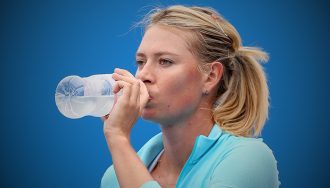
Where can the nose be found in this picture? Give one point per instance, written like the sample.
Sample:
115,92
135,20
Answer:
145,73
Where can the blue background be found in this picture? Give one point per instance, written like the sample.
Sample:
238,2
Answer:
43,41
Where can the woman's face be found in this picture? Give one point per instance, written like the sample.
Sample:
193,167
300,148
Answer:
170,73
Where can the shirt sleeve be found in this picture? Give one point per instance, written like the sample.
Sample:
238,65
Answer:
151,184
251,165
109,179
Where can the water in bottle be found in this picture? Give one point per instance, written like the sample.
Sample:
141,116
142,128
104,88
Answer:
77,97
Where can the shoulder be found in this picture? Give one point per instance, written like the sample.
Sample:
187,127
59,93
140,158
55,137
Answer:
250,148
248,162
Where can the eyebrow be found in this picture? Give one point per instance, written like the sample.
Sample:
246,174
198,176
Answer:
140,54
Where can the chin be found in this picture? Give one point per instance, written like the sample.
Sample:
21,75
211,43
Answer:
149,116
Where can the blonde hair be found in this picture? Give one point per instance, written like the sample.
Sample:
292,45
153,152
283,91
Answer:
241,107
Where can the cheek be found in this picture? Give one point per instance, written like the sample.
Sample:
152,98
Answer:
183,93
186,79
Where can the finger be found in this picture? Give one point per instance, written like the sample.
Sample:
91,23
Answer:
143,90
119,84
123,72
135,93
115,88
144,95
128,79
125,87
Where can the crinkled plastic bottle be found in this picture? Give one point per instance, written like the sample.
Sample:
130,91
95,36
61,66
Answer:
77,97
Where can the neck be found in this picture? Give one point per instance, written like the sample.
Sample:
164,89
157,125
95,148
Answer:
179,139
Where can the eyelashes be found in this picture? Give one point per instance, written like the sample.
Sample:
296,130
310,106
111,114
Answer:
139,63
165,62
162,62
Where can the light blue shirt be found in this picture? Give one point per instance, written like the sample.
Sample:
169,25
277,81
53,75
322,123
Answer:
219,160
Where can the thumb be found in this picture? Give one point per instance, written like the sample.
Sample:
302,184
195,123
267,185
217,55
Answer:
144,95
115,88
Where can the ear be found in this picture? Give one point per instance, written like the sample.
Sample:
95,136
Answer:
214,76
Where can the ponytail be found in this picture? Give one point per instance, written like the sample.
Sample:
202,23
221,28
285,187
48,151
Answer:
242,108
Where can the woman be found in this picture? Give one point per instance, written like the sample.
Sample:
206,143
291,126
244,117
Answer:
209,95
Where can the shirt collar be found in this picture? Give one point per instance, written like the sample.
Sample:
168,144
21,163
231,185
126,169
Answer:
204,143
201,146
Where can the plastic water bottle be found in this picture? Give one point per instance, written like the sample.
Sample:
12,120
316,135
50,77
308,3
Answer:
77,97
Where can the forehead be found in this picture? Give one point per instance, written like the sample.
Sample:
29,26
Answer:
165,38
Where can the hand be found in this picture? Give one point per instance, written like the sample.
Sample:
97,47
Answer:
128,107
